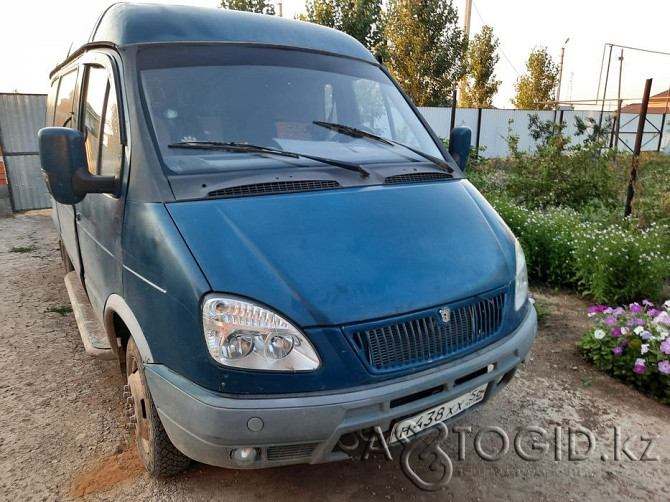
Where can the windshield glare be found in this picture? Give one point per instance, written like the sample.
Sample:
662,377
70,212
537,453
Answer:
274,103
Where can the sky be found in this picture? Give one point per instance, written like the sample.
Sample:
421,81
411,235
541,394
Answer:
36,34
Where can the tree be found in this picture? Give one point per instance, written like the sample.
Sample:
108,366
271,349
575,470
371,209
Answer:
480,83
361,19
425,49
257,6
538,84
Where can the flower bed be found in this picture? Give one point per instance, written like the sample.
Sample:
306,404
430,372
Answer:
633,344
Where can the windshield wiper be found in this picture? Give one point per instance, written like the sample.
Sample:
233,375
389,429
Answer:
249,148
360,133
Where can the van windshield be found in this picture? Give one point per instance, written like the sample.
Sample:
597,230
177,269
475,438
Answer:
277,99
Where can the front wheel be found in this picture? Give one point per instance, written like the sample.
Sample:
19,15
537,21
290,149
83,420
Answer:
159,456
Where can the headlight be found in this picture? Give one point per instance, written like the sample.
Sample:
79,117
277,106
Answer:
521,279
244,335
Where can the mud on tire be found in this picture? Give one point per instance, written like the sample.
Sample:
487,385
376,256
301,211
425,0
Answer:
159,456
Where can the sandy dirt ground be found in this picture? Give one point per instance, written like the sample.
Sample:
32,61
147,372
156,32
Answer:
62,432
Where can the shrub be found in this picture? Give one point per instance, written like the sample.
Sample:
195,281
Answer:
612,263
546,237
565,174
633,344
652,190
615,263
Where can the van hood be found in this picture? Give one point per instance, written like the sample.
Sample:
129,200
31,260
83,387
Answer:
348,255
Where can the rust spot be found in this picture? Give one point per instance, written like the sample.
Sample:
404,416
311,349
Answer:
105,473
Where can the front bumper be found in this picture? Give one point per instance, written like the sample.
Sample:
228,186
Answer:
290,429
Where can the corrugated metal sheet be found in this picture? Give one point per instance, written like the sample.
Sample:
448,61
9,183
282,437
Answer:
497,125
21,116
26,183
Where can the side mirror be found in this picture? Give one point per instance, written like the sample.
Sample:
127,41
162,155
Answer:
459,145
63,158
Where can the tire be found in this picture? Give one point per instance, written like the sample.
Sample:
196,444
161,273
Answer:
159,456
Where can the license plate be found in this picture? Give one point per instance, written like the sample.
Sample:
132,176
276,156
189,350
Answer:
411,426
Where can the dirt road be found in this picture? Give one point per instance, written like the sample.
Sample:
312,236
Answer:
62,433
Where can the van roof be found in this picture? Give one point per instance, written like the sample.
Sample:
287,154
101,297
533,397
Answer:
125,23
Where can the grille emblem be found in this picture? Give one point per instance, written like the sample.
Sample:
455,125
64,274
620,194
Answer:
445,314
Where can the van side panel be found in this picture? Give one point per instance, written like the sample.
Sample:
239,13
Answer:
163,285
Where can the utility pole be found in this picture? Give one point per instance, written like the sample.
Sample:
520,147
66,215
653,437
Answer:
466,33
560,74
468,15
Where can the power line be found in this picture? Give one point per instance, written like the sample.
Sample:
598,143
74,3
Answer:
499,48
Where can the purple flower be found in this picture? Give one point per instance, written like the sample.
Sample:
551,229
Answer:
638,368
618,350
654,312
630,322
664,367
635,308
645,335
664,318
640,322
615,332
596,308
618,311
665,346
610,321
647,303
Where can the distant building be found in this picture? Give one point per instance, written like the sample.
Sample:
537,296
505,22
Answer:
658,104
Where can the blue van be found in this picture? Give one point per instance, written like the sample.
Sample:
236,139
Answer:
258,224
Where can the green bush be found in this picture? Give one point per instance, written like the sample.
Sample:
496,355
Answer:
612,263
563,174
616,263
633,344
652,191
546,237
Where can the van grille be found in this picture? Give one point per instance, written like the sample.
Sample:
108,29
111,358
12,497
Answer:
291,452
416,178
274,187
426,339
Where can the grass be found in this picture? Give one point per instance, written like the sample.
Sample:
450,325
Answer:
62,309
21,249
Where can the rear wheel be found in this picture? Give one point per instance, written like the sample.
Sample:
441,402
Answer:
159,456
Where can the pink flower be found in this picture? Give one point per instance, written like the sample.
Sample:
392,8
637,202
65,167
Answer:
618,350
635,308
664,367
665,346
615,332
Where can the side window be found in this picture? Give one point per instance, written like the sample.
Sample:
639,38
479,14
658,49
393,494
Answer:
111,149
51,102
100,124
65,99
